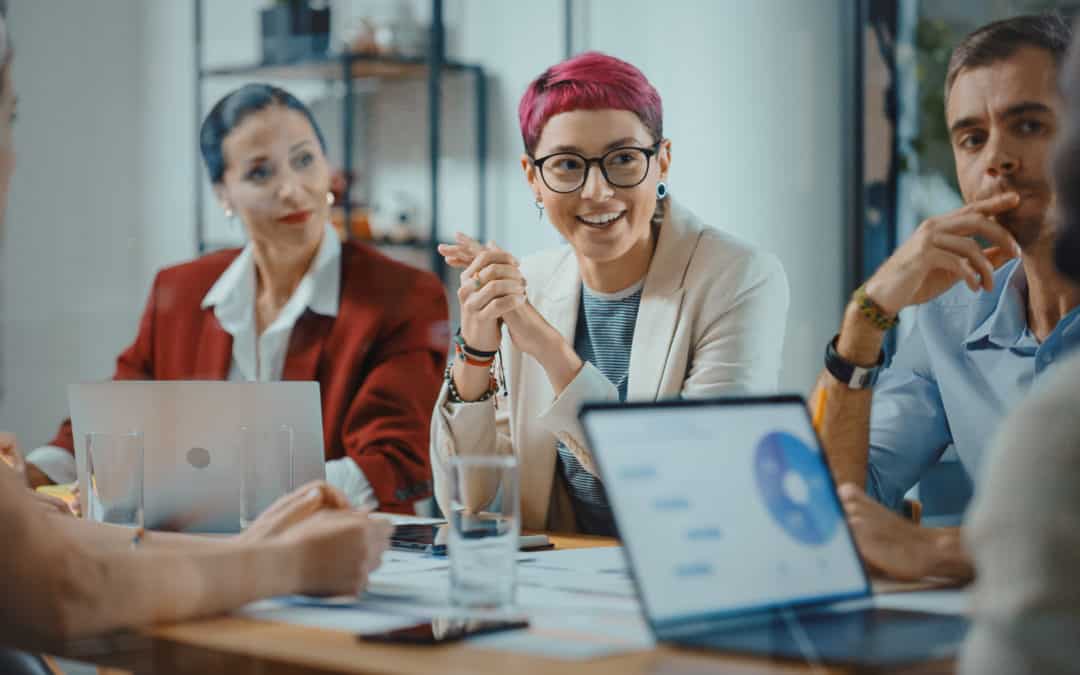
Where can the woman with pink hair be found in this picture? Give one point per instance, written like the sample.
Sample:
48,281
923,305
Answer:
644,302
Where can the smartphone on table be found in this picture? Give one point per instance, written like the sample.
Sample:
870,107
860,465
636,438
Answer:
432,539
442,631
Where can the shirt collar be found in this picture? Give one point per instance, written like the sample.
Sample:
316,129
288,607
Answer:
1006,325
233,295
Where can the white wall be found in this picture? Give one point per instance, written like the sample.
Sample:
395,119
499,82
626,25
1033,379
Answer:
107,152
168,144
71,260
753,103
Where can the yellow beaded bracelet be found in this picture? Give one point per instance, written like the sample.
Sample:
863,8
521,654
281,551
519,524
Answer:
873,312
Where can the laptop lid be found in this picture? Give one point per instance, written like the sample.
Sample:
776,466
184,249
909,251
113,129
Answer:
194,435
726,507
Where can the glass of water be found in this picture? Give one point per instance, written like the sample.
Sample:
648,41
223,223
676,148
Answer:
267,468
484,524
114,472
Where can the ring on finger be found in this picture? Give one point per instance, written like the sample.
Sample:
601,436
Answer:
476,282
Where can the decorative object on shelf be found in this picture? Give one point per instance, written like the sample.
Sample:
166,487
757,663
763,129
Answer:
400,35
395,221
359,226
363,40
407,37
294,30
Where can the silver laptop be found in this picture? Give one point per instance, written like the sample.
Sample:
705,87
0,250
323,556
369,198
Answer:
194,437
737,540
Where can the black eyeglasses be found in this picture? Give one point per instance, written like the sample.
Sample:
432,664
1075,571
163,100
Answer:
624,167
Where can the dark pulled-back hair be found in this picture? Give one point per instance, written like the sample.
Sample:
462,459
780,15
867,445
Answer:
999,40
231,110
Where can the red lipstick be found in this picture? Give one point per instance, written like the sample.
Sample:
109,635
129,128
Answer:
295,218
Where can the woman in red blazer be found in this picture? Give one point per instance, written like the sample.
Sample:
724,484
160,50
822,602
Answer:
296,304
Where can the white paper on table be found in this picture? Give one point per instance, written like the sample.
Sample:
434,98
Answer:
604,559
408,562
405,519
597,571
589,583
575,636
950,601
563,624
346,617
428,593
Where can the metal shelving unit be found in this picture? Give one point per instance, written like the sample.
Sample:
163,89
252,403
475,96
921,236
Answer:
350,69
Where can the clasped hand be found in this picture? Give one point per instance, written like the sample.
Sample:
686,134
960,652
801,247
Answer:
493,293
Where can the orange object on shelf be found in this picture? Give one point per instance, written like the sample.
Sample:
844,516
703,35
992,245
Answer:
360,227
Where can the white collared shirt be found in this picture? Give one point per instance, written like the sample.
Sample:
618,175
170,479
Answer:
259,358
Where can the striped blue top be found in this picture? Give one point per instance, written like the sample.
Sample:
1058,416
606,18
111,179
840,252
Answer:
605,332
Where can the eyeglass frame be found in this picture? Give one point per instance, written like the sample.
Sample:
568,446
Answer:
649,152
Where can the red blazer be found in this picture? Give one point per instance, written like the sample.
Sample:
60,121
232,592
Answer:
378,363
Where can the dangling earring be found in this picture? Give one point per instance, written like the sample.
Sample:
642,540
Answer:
539,209
661,190
329,198
230,215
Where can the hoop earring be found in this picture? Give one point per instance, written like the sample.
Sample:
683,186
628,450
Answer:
661,190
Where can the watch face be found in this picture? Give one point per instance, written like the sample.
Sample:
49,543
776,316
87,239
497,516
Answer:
865,377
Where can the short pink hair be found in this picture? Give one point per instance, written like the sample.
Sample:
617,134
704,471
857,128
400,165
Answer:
589,81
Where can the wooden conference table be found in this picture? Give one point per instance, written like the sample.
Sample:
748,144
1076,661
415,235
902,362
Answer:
241,646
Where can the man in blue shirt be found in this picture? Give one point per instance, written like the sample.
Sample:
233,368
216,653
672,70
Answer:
993,313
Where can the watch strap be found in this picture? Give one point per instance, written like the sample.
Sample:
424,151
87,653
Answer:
850,374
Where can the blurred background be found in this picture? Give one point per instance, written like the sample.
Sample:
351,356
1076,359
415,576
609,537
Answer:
812,129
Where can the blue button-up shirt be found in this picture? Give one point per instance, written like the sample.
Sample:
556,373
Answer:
966,363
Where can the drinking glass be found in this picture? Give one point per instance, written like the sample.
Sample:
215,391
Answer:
114,472
483,527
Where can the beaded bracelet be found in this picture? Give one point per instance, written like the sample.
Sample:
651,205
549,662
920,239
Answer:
872,311
478,354
462,352
455,397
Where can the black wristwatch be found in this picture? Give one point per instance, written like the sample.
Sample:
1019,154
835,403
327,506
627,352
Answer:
855,377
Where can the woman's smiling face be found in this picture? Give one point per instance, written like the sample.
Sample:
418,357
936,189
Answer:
601,221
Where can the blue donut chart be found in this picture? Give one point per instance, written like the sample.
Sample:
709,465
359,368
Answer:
812,523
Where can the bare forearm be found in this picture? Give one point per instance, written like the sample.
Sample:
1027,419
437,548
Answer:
146,587
471,381
845,425
104,537
560,362
79,594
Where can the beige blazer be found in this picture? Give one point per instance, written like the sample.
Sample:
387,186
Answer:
711,321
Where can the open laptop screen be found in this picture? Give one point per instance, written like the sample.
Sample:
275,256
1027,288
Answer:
723,506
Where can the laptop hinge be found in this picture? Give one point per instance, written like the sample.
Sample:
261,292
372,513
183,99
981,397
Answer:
675,629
